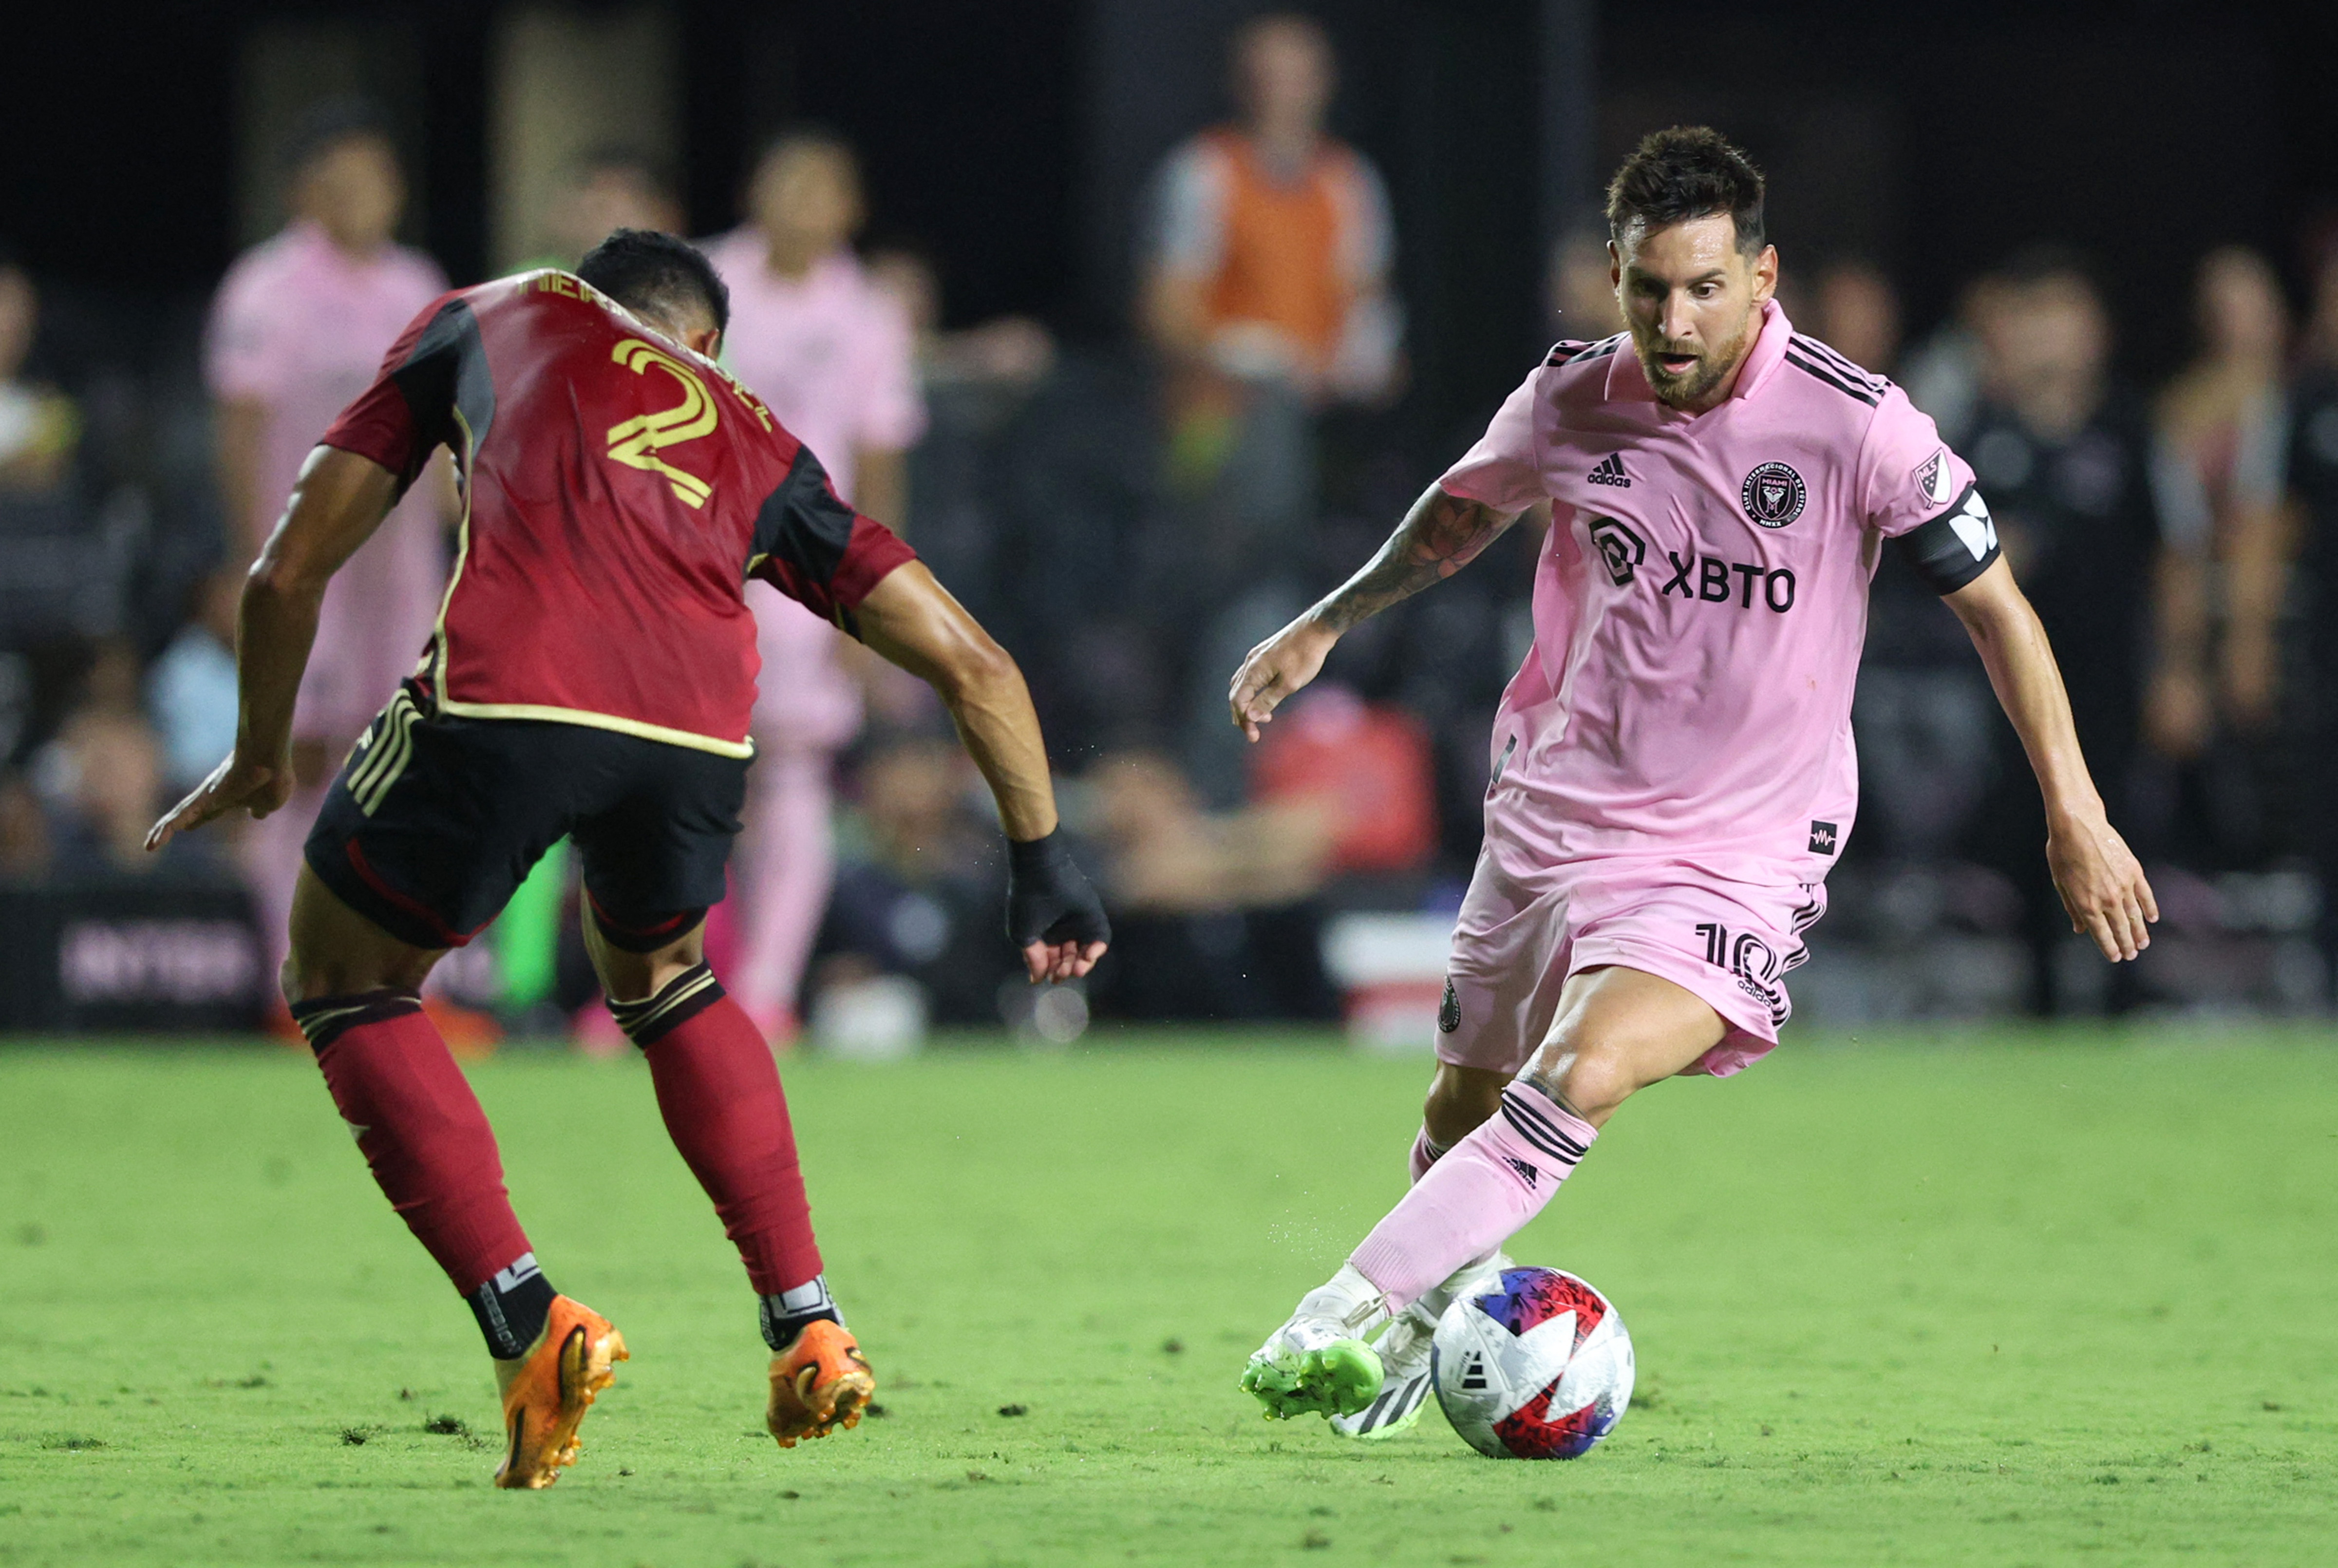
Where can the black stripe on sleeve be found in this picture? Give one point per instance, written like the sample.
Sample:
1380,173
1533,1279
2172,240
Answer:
1833,380
447,375
1954,547
803,527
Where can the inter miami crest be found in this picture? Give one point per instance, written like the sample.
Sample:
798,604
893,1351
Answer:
1449,1012
1621,549
1772,495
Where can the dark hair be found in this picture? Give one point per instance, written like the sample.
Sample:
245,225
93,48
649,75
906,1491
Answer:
668,278
326,124
1684,172
808,136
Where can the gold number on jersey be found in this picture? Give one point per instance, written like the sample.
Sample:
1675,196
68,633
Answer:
637,442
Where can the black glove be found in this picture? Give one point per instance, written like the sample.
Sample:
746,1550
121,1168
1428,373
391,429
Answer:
1048,898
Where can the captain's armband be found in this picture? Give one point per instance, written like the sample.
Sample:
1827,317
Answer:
1954,547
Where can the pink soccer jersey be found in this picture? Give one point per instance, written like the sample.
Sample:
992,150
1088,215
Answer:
301,327
833,356
1699,603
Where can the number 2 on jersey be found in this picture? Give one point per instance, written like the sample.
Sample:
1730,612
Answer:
636,441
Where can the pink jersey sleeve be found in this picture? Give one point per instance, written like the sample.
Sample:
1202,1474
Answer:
1907,474
1503,470
243,350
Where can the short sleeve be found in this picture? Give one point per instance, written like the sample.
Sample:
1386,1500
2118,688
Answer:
1917,492
244,347
1503,470
410,407
1908,475
892,415
1188,227
818,551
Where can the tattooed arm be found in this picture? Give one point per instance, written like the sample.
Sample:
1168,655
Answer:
1441,534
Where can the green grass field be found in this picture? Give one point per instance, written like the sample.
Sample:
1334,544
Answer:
2005,1300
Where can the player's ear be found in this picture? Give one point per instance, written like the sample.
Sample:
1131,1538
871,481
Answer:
1765,275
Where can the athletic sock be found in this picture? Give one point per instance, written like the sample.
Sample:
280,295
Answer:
1426,1152
784,1315
719,1092
1477,1197
511,1305
422,1130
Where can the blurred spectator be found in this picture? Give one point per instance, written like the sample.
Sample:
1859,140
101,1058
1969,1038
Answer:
101,776
60,577
1856,312
1266,292
191,693
24,831
39,426
2222,423
2312,472
298,329
919,890
832,353
1366,766
1213,913
1271,243
608,189
1266,289
2064,456
1942,374
1579,292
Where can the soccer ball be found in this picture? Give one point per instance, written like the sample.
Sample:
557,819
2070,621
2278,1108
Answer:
1539,1368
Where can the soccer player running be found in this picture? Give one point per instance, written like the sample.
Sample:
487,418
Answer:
1673,772
590,675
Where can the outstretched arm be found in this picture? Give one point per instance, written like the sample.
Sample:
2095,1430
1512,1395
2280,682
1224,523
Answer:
2101,883
1441,534
1052,913
340,499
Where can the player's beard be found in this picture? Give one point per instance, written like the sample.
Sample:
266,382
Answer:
1687,388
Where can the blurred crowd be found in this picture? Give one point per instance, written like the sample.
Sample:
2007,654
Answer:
1129,517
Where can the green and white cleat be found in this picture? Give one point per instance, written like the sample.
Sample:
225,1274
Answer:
1320,1363
1404,1352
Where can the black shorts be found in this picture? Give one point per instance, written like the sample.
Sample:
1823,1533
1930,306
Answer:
435,820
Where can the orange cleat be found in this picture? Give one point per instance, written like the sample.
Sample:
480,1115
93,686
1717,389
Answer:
819,1382
547,1391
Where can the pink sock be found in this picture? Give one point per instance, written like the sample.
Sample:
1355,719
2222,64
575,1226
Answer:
1426,1152
1482,1192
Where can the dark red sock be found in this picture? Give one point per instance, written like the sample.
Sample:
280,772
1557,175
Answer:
419,1127
718,1091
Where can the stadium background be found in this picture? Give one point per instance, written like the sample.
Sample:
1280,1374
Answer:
1012,153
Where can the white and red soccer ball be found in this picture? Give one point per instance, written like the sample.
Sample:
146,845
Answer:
1539,1368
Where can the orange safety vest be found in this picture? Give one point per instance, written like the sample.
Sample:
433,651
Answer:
1280,262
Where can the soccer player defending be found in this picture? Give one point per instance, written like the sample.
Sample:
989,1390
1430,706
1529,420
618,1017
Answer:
590,675
1673,772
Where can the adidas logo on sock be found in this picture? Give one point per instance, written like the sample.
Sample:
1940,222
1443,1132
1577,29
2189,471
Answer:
1527,1172
1611,472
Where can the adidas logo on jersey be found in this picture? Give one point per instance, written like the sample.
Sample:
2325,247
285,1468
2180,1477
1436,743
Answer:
1610,471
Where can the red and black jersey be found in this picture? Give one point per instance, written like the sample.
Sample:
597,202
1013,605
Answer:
619,490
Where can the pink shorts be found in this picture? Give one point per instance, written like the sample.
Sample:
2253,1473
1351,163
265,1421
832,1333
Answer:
1518,941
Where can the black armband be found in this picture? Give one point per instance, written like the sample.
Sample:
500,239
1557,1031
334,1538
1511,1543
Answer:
1955,547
